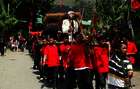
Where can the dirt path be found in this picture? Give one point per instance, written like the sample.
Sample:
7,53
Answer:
16,72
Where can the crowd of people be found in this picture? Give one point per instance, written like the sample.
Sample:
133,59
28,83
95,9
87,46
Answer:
17,43
14,43
78,59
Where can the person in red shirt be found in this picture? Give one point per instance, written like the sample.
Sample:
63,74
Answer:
41,66
101,63
68,70
78,60
51,59
64,50
131,51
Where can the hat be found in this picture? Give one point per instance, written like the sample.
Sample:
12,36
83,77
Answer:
71,12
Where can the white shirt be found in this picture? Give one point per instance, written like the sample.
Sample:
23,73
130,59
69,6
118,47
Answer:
66,26
115,81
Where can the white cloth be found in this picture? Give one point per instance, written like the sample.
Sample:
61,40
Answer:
115,81
66,26
82,68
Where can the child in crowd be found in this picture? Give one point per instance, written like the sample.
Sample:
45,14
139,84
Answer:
120,68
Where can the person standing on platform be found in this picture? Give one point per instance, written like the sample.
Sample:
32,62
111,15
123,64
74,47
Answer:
70,25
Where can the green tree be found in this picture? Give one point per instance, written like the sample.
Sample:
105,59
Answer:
111,12
7,19
108,11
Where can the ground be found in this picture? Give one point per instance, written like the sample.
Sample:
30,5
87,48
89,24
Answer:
16,72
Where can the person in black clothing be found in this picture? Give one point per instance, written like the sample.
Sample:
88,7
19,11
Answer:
37,54
2,47
29,44
70,25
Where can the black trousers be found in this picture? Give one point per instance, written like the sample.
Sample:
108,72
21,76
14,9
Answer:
100,80
115,87
42,71
52,75
81,76
37,59
2,51
83,79
70,78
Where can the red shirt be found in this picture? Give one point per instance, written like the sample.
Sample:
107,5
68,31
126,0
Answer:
77,56
64,49
42,49
101,59
51,51
131,49
33,47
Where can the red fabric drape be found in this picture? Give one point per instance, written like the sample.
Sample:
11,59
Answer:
135,4
35,33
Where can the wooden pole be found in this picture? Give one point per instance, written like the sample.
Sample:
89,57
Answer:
129,20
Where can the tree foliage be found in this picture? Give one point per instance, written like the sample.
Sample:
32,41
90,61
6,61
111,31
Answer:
111,12
7,19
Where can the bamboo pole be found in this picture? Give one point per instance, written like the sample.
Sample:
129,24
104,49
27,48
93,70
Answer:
129,20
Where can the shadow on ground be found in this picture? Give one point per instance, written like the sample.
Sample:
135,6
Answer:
12,59
58,84
137,69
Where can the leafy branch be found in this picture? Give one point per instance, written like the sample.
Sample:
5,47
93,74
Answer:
110,12
7,20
